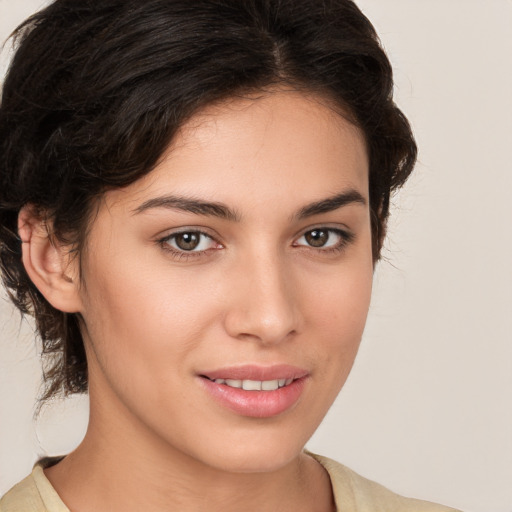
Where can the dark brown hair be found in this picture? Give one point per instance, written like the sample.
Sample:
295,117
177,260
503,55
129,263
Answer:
97,90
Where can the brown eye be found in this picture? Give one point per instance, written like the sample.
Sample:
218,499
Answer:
189,241
317,237
324,238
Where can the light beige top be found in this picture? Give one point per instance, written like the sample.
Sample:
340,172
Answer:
352,493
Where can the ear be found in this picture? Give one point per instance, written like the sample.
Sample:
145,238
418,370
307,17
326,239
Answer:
49,264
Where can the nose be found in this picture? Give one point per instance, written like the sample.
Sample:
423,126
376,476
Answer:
264,304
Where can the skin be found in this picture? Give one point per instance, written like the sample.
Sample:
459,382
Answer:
255,292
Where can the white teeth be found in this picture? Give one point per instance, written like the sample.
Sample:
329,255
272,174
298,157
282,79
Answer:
255,385
269,385
234,383
251,385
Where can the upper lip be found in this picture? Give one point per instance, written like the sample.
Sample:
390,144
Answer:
256,372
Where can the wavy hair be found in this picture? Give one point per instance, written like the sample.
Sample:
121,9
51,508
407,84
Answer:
97,90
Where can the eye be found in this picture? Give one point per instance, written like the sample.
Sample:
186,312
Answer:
324,238
189,241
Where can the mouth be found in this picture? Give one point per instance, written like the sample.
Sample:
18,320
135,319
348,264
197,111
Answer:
252,385
255,391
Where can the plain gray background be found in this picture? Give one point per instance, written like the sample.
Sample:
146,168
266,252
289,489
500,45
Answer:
427,410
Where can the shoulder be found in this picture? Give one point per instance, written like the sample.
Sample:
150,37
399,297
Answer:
33,494
354,492
23,497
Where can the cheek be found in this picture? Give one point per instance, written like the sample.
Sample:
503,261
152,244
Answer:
133,309
143,329
134,305
338,315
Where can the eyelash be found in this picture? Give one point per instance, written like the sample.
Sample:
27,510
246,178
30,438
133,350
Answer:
183,255
345,238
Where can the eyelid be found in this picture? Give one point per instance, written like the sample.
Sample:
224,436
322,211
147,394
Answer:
328,226
168,233
345,234
182,254
346,237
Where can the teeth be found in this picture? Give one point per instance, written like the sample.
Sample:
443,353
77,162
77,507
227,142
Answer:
251,385
255,385
269,385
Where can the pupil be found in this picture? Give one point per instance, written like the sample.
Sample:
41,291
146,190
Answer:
317,238
187,241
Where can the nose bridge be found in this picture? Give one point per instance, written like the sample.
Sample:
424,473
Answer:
264,306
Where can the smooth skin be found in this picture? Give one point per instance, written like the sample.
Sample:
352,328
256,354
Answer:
169,291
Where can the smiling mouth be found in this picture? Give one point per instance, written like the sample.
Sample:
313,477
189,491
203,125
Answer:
256,391
253,385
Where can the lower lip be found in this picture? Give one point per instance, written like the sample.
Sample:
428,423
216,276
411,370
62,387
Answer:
256,404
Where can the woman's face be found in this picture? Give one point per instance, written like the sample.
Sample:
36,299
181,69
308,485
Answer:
243,260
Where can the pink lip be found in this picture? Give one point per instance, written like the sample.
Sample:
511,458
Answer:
256,372
256,404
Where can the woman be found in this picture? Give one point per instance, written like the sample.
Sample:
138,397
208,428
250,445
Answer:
194,196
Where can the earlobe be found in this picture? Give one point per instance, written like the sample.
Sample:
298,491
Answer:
49,264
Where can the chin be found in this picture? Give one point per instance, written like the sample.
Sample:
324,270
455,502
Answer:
257,459
259,450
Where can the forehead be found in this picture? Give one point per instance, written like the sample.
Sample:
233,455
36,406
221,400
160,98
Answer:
272,146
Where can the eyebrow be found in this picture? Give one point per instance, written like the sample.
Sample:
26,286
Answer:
332,203
188,204
220,210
